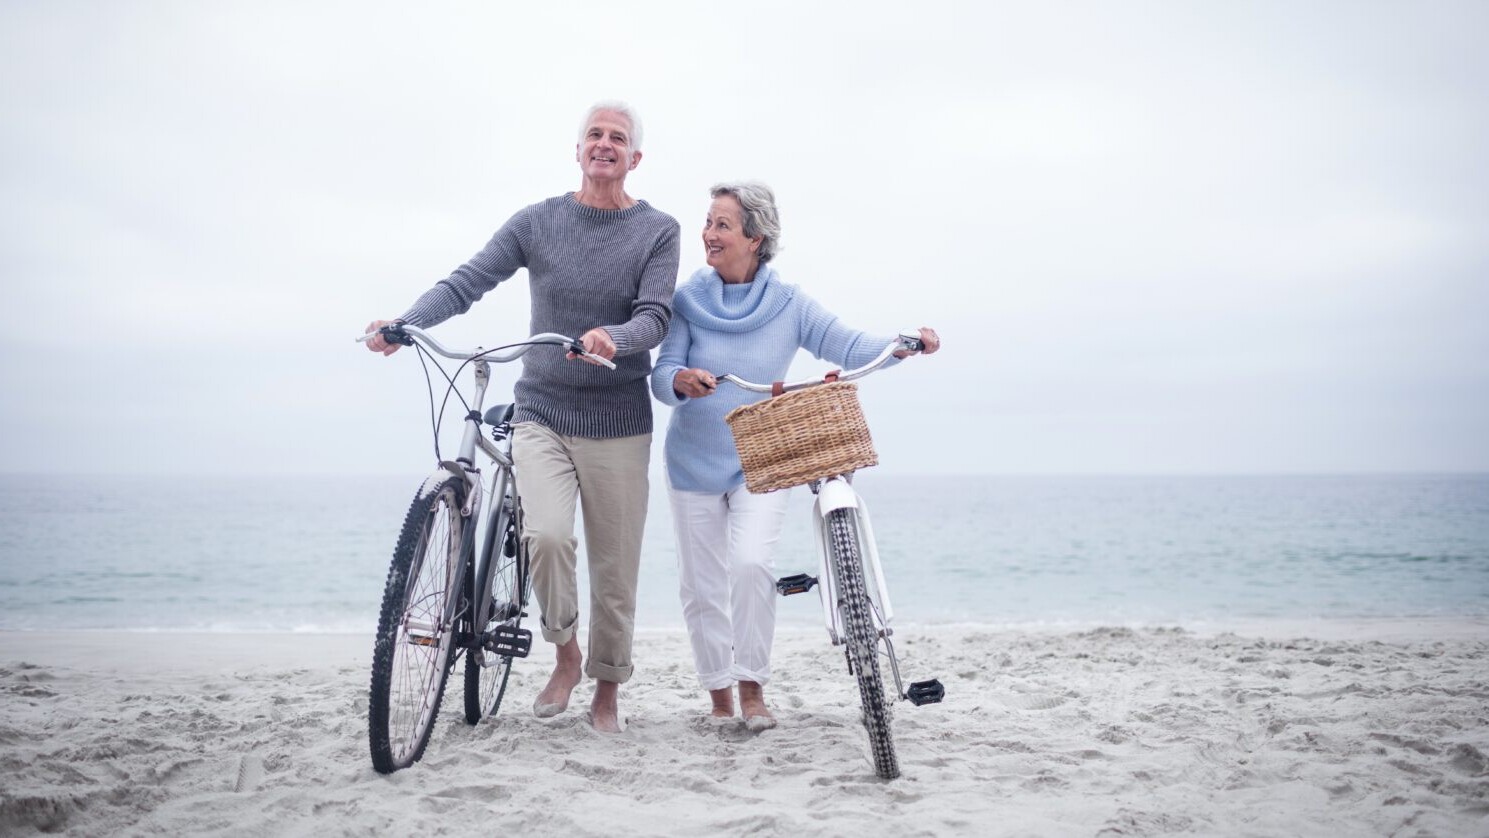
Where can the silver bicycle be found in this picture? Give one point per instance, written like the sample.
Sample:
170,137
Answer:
443,597
857,613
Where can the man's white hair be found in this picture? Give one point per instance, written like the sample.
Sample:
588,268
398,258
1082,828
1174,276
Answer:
619,107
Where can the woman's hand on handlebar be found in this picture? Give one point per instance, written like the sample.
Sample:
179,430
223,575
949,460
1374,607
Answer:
596,341
929,343
694,383
378,343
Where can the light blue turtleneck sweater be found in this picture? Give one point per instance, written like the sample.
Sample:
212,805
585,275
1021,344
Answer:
753,330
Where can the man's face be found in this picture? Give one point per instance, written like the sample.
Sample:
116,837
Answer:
604,152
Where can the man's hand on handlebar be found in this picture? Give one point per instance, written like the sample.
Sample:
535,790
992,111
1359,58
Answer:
379,343
596,341
929,343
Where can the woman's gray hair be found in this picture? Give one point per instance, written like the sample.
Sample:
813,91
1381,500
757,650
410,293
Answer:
760,216
619,107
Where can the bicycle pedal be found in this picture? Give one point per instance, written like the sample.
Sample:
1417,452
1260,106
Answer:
798,584
925,692
509,642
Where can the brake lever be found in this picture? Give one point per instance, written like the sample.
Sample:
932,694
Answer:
578,349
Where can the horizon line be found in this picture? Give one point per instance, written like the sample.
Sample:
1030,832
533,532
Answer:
869,473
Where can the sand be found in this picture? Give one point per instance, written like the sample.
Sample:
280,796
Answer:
1270,729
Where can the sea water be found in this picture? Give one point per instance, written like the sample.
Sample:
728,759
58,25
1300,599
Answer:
311,553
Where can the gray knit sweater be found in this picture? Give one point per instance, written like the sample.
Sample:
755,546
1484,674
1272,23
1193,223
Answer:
586,267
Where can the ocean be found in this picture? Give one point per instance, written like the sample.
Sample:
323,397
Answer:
310,553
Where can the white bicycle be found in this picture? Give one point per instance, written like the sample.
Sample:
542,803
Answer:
818,438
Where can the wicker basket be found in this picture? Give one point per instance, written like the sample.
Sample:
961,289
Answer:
803,436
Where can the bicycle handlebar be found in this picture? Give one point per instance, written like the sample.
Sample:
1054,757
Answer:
405,334
909,342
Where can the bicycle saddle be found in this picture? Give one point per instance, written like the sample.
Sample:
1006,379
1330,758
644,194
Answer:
499,414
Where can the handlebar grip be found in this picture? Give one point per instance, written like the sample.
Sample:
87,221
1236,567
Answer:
395,334
578,349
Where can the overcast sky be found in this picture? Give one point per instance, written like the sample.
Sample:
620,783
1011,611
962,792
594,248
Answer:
1155,237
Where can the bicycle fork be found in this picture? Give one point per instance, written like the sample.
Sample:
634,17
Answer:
833,494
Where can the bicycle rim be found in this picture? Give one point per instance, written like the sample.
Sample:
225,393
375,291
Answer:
415,638
862,640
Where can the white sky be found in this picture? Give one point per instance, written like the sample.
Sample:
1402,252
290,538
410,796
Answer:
1156,237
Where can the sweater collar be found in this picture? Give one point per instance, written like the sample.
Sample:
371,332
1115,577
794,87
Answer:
571,200
704,302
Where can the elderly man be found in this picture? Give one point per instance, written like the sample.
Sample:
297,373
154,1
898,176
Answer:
601,265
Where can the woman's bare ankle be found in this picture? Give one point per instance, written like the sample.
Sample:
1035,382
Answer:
723,702
752,700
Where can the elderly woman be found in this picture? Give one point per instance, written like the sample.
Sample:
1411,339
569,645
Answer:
736,315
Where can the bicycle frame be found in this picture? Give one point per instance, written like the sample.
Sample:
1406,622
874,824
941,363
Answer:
834,493
465,463
440,600
857,613
476,512
478,516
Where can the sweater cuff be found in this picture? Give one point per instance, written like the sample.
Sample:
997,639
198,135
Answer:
621,338
662,385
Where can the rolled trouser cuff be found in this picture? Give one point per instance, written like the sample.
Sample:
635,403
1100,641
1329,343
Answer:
559,636
606,672
740,673
716,680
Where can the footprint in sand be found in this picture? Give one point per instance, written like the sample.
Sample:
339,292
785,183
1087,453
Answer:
250,774
1031,702
728,730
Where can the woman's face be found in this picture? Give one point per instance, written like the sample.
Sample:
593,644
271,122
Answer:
725,245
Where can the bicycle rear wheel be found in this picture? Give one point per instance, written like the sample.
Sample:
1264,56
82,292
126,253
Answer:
416,628
505,575
862,639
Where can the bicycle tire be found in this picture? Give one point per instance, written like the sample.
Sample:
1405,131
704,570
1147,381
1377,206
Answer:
504,574
862,639
412,658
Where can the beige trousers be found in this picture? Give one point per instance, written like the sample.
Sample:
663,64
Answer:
608,480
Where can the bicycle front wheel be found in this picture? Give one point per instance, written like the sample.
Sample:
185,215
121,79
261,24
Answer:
505,576
416,629
862,638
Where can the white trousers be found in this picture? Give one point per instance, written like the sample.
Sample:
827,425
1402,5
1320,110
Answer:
726,543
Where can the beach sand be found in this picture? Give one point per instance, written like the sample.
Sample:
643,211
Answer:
1270,729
